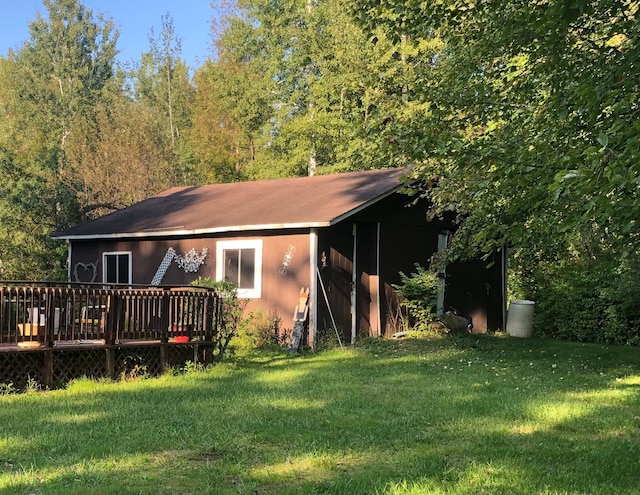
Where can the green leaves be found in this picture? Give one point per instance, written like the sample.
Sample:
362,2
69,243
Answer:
530,116
49,88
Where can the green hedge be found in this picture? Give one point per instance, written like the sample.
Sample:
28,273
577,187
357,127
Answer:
596,303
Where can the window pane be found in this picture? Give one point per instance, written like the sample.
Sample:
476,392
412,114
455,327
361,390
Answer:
247,268
112,269
231,272
117,268
240,262
123,269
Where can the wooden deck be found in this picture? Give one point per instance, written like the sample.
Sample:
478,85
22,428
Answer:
52,334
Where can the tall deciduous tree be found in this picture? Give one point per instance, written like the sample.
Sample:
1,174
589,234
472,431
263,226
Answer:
123,162
531,118
54,83
308,64
229,113
162,83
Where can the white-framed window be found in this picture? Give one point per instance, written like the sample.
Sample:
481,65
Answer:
116,267
240,262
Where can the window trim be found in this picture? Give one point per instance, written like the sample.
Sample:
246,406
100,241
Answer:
256,244
117,253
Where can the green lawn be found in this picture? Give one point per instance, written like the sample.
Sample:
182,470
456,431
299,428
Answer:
478,414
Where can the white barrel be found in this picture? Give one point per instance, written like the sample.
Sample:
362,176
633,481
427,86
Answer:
520,318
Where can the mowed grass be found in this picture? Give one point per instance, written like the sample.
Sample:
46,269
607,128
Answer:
477,414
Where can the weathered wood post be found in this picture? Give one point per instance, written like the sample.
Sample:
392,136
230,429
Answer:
110,361
49,316
113,309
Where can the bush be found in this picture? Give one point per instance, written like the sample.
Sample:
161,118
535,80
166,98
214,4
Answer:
327,339
262,330
230,316
418,295
597,303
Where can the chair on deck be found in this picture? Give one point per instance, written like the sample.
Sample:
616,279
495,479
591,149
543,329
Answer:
92,318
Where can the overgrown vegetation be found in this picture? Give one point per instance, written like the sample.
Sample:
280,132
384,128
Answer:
418,295
255,330
230,314
263,330
587,303
464,415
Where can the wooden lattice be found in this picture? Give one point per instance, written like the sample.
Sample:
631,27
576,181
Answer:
56,368
137,361
21,368
179,355
70,364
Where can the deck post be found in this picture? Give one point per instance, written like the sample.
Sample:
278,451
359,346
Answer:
112,310
164,316
110,357
211,305
49,317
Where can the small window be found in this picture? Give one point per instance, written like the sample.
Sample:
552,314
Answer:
116,268
240,262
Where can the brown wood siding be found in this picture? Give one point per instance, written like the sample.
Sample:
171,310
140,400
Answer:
281,291
471,288
337,243
401,246
280,288
476,291
146,257
366,304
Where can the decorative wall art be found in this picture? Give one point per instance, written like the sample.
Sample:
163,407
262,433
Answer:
85,270
286,261
162,269
190,262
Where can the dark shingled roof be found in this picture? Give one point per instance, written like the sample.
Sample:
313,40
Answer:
317,201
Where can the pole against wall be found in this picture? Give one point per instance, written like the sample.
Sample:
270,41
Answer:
313,288
354,286
326,300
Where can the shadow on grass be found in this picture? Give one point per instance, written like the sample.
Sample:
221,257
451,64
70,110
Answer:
479,414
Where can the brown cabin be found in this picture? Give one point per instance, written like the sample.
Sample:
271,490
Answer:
345,236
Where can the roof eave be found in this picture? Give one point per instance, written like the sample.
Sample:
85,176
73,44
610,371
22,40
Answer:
193,232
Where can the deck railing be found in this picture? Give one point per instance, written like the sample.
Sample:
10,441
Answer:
48,315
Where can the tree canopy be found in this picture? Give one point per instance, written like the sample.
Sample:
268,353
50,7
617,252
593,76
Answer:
527,117
50,89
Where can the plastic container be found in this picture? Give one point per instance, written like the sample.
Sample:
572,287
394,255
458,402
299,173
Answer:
520,318
37,317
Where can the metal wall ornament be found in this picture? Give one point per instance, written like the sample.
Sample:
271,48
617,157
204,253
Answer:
286,261
162,269
323,260
192,260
